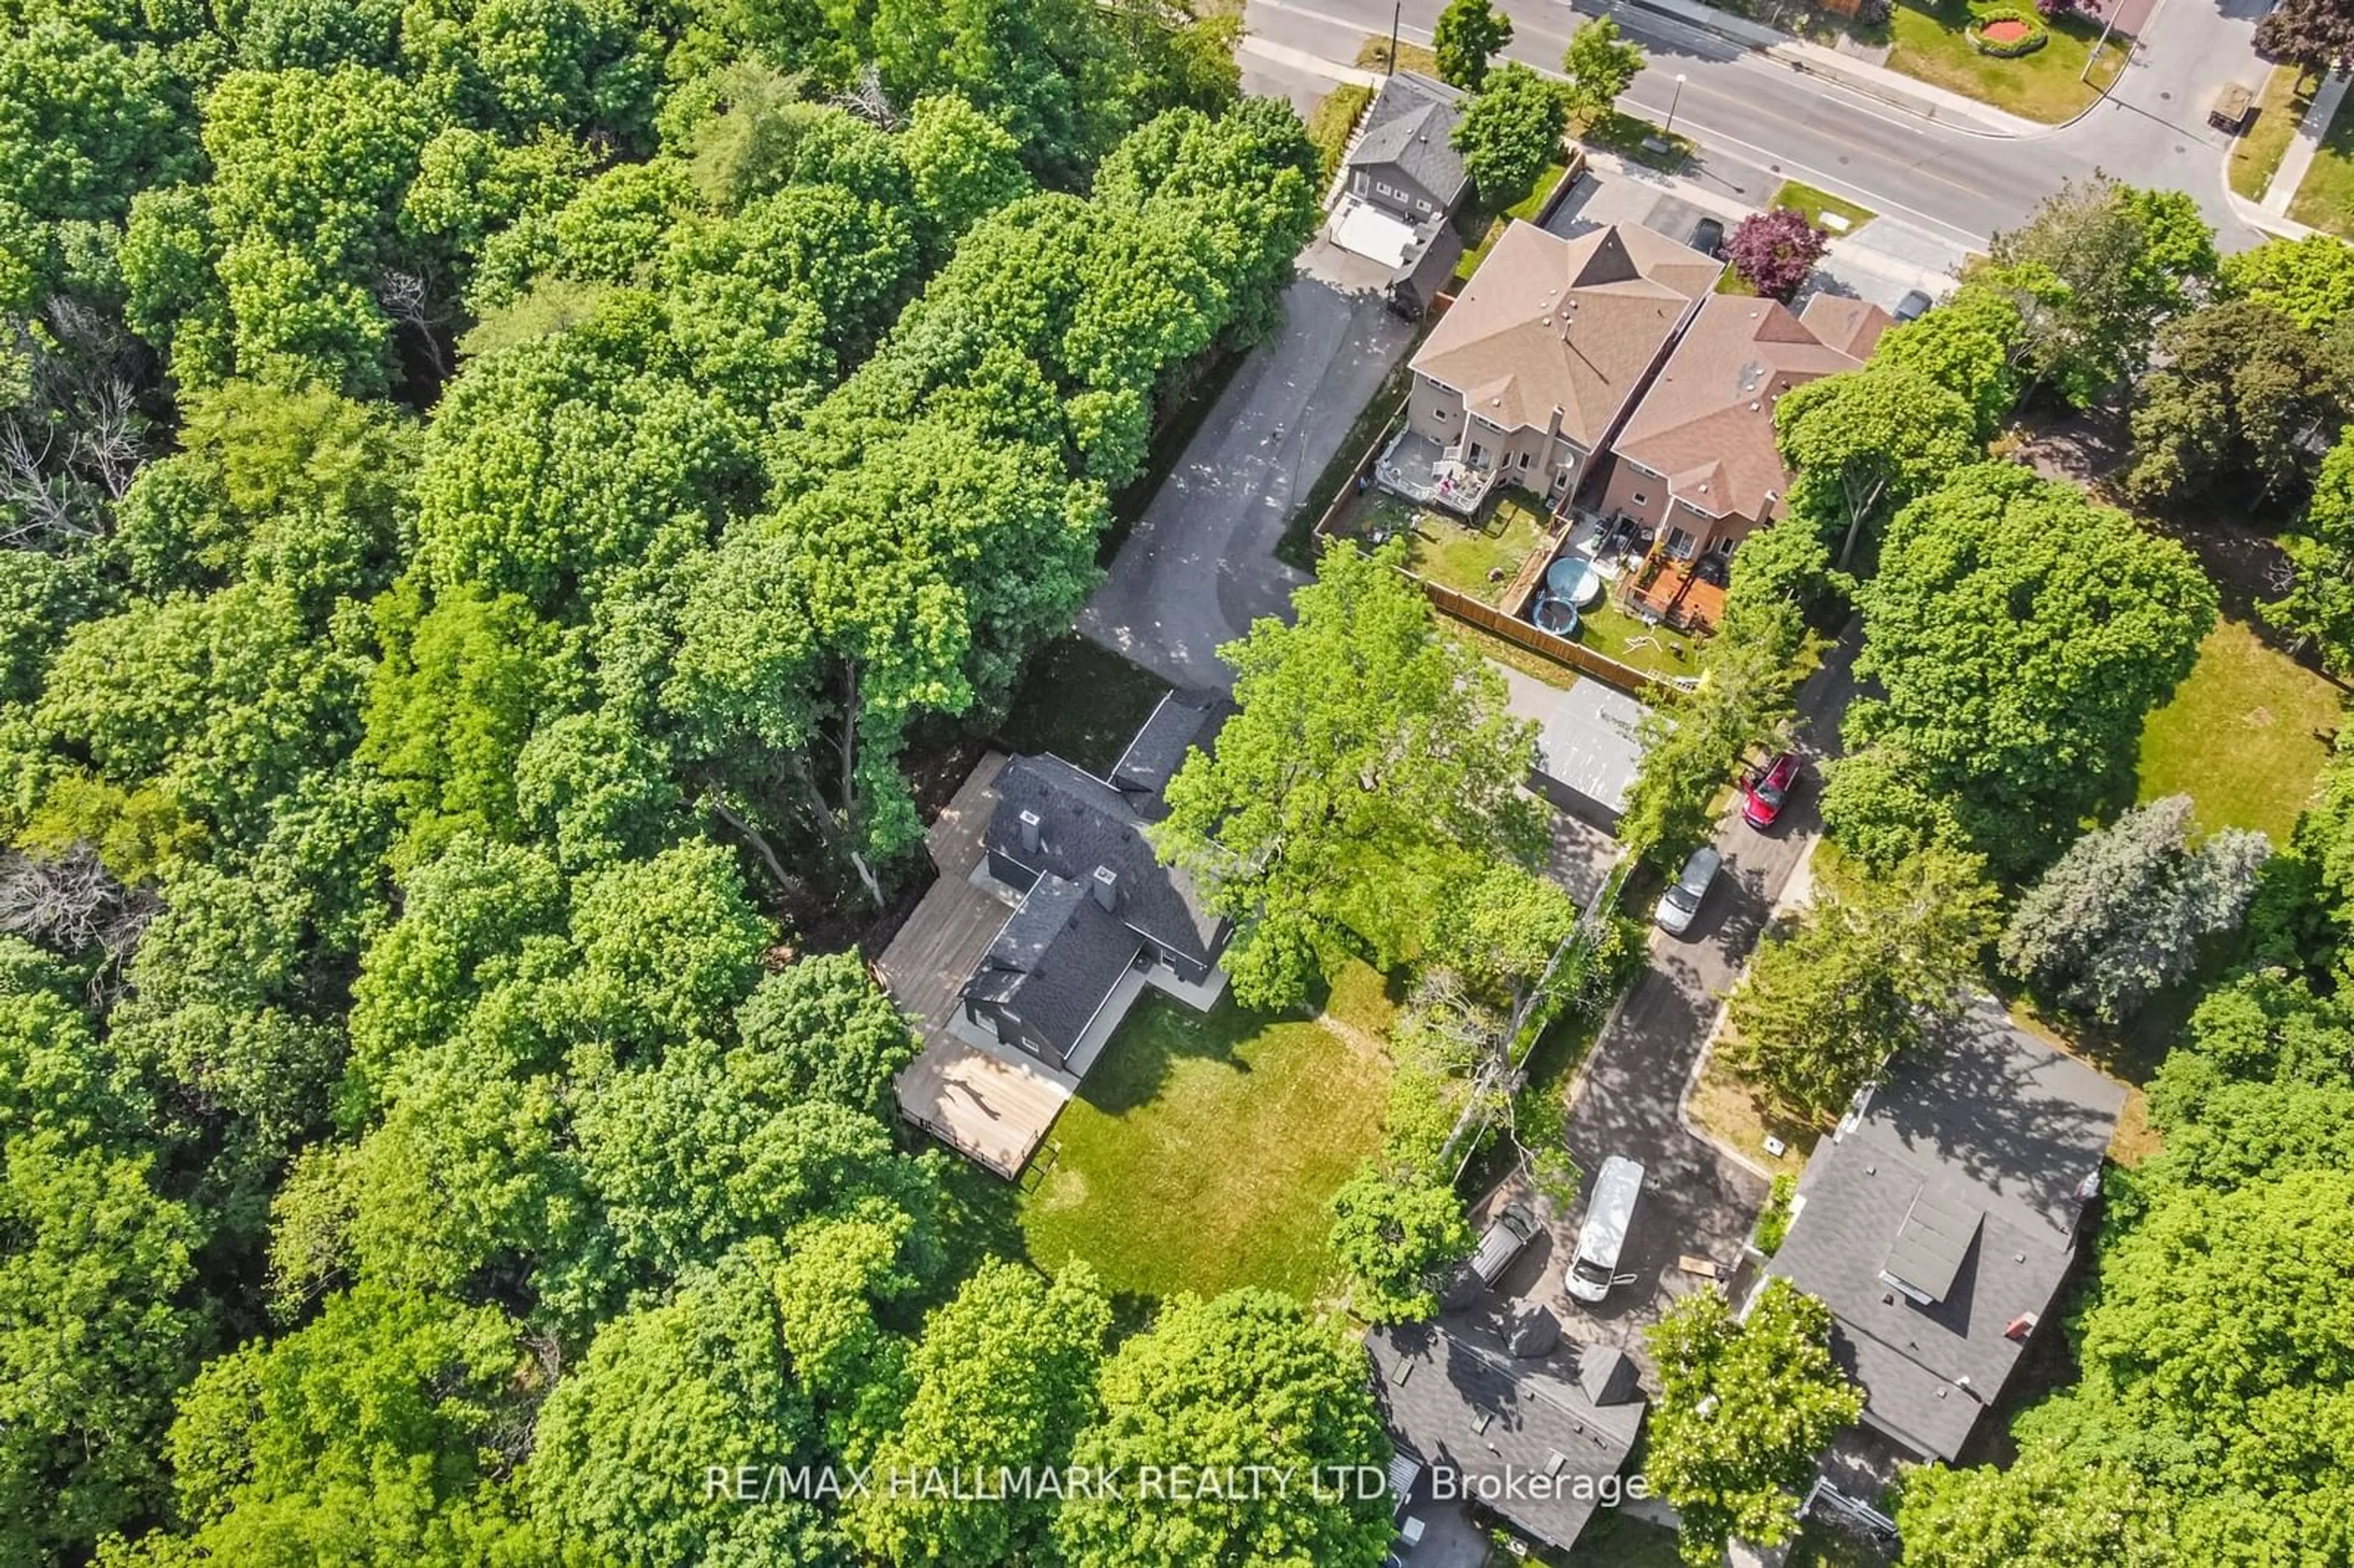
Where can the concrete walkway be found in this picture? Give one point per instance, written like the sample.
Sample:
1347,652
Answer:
2304,145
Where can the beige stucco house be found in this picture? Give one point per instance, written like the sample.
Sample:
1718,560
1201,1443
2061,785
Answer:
1696,462
1537,364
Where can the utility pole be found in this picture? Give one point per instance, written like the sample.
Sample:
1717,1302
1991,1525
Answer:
1396,11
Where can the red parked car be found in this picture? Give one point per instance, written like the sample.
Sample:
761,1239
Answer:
1769,789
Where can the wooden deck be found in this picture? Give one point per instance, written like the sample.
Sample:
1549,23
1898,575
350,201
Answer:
992,1106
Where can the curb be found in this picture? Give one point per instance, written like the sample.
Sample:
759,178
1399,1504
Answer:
1869,87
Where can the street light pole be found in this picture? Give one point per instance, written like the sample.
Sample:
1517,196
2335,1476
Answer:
2106,23
1674,98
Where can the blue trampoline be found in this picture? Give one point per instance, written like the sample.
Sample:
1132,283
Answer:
1554,614
1573,579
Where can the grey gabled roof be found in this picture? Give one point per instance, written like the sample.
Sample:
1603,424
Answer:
1183,721
1057,958
1969,1168
1085,822
1456,1398
1410,128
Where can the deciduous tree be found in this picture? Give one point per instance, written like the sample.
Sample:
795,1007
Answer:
1372,769
1746,1408
2020,635
2237,401
1468,33
1397,1233
2319,34
1865,973
1774,251
2309,281
2318,607
1247,1378
2122,259
1003,1376
1863,443
1600,66
1510,131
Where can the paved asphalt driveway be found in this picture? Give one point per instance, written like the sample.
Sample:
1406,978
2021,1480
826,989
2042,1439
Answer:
1695,1201
1200,567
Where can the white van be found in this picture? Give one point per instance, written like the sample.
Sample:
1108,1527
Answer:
1593,1269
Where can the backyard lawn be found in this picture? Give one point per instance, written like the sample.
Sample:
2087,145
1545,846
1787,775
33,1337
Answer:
1933,44
2325,199
2279,107
1203,1149
1081,702
2244,736
1613,633
1448,550
1805,198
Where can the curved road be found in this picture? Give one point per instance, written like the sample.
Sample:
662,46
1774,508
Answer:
1955,181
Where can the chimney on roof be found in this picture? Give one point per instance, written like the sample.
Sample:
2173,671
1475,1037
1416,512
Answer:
1106,888
1030,835
2018,1327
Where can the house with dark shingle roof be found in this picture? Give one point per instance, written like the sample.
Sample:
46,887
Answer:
1941,1219
1696,462
1405,160
1095,904
1534,1427
1532,371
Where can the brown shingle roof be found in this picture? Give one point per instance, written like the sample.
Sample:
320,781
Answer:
1549,322
1851,326
1707,423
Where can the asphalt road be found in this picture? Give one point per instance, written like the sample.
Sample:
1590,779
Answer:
1695,1201
1946,177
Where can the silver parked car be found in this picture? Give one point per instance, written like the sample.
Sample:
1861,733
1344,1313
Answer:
1681,903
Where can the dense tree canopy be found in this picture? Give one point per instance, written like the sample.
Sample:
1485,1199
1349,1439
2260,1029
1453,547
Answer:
2094,270
1372,769
1867,972
2019,636
492,491
2236,403
1244,1379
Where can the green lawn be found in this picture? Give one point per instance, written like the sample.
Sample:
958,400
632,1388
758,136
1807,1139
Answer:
1465,558
1446,549
1613,633
1525,209
1630,138
2279,107
1933,44
1814,204
2325,199
2240,735
1373,54
1080,701
1203,1149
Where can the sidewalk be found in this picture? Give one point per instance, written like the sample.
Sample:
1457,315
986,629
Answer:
2304,145
1890,87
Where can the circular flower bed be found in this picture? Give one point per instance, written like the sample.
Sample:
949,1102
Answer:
2008,33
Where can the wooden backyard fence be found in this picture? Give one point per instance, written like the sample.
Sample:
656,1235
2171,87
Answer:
1537,640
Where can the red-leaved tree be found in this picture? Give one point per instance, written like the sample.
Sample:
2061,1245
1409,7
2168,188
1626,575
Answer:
1774,251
